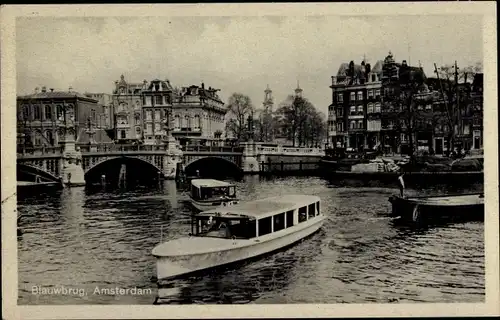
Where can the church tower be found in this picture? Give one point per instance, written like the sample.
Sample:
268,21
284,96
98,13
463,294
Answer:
298,91
268,100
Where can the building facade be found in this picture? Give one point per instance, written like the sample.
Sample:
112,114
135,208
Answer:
477,112
43,115
127,110
354,119
143,112
198,114
105,119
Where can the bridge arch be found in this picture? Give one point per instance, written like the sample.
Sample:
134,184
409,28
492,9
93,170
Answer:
137,168
29,173
213,166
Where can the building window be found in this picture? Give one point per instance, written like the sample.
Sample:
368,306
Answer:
428,107
370,108
158,100
377,93
340,112
123,134
92,115
148,115
149,128
197,122
370,93
353,110
187,121
49,137
360,124
360,109
353,124
137,119
377,107
177,121
340,97
157,115
340,126
374,77
37,114
360,95
48,112
60,112
353,96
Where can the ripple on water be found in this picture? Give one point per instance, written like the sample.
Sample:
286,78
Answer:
104,239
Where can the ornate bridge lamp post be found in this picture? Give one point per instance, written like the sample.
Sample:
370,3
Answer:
173,155
91,133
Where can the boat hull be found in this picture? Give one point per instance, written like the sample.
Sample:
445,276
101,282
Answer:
177,266
417,210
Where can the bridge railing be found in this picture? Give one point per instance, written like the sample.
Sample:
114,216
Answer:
121,148
38,150
290,150
212,149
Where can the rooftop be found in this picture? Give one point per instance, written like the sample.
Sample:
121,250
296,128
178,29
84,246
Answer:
55,95
209,183
265,207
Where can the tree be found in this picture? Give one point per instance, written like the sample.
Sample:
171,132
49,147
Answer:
239,108
406,101
455,89
299,118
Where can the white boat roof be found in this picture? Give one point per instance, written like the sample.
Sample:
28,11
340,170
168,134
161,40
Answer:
209,183
264,207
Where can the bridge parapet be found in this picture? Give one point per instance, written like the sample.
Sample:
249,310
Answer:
23,152
295,151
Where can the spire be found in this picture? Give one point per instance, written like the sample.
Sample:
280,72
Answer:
298,91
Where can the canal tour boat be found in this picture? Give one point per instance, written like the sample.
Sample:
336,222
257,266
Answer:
239,232
208,194
419,209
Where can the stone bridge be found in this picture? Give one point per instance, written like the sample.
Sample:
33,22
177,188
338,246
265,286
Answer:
54,163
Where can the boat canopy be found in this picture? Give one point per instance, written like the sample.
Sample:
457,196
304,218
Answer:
262,208
209,183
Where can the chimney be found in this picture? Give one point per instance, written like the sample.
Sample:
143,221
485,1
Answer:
334,80
51,89
203,85
70,88
44,89
37,90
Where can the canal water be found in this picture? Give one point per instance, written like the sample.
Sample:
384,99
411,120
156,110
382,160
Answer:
88,240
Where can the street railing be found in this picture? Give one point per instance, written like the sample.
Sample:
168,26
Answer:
290,150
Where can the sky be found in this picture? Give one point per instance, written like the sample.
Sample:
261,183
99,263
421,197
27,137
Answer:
234,54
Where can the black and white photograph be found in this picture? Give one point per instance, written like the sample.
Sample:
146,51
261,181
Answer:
204,157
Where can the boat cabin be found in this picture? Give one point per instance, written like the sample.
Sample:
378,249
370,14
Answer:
257,218
205,189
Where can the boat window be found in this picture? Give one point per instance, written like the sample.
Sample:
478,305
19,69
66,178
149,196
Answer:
302,214
265,226
279,222
317,208
226,228
232,191
211,192
195,192
311,211
289,219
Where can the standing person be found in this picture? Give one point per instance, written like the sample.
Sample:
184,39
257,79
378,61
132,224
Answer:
401,184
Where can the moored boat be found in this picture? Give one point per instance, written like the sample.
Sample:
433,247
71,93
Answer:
239,232
418,209
206,194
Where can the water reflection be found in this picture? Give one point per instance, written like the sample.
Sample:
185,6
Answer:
88,237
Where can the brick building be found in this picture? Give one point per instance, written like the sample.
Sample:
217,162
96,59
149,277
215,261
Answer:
43,115
354,115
